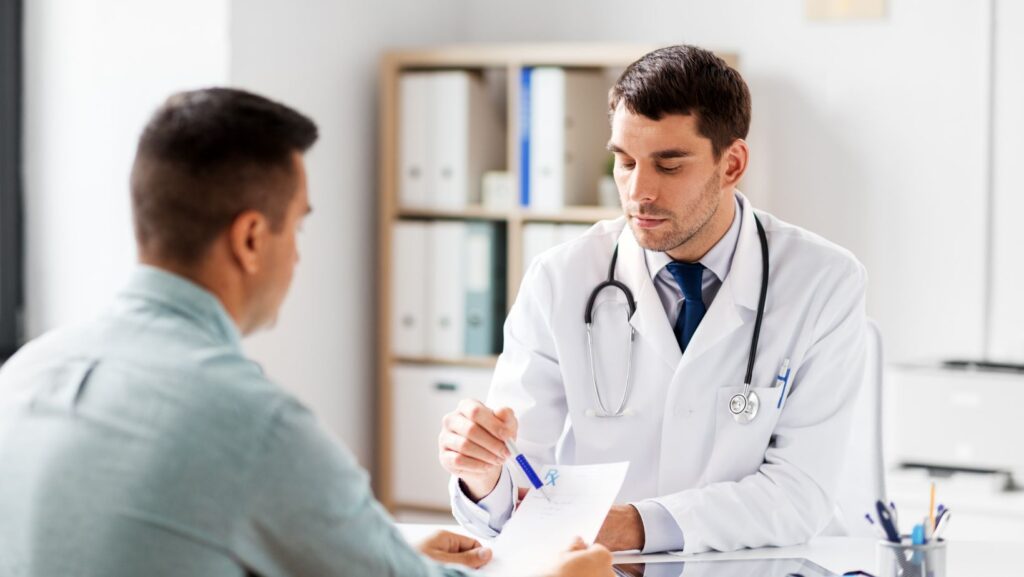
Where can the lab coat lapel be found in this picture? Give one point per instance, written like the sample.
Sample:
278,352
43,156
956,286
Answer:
649,319
737,298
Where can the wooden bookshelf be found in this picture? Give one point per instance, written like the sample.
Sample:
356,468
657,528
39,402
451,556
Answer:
482,362
571,215
509,60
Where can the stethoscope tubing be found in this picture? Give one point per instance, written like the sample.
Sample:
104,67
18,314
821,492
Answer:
610,282
761,301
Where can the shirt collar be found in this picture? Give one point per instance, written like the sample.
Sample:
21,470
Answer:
186,298
718,260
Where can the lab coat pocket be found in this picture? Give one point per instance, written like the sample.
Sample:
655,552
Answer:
739,447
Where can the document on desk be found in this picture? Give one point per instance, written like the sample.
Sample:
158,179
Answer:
541,530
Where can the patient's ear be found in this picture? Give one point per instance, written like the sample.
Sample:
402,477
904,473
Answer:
248,239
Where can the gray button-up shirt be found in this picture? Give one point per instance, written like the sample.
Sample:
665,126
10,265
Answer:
145,443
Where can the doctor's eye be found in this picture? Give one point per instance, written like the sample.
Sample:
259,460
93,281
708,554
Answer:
669,169
627,164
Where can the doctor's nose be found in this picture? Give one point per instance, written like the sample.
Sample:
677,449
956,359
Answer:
641,187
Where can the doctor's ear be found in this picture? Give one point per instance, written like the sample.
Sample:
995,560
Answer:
734,163
248,239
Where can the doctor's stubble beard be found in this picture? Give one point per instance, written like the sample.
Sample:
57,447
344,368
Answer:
678,233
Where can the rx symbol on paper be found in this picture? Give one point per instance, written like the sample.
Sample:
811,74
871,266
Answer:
551,477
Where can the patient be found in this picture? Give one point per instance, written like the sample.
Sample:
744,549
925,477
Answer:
144,442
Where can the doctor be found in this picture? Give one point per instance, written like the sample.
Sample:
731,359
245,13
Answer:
729,388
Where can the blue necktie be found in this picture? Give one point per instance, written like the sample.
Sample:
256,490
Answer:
689,275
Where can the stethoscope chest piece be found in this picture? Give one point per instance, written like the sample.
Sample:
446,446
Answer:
744,406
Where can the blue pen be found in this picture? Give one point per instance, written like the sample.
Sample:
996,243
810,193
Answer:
917,536
782,379
895,514
941,524
525,466
885,518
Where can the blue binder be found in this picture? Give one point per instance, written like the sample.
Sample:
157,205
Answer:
524,137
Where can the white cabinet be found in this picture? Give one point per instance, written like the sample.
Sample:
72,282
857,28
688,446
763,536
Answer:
422,395
981,512
963,423
956,418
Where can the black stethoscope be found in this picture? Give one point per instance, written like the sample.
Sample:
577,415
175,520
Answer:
743,406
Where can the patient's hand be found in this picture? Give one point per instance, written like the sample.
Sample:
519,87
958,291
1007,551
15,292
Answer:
446,547
583,561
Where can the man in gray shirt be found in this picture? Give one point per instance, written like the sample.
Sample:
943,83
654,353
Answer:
144,442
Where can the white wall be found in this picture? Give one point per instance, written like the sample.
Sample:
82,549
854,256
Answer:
321,57
870,133
1006,338
94,72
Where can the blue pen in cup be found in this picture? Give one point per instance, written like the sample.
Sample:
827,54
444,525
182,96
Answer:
525,466
885,518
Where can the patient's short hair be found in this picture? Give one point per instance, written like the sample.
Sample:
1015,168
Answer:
207,156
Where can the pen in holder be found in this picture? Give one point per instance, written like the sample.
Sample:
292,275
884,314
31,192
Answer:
904,559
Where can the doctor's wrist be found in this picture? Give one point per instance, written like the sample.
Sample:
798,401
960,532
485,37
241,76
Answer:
623,529
477,487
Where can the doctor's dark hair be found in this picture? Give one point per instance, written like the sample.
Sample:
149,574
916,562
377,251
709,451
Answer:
207,156
687,80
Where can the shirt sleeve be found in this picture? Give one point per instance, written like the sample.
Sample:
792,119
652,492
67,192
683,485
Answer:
487,516
310,510
661,532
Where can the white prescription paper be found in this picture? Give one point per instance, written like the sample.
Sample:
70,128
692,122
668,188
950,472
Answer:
541,530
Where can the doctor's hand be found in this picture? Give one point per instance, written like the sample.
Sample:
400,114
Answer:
583,561
471,445
445,547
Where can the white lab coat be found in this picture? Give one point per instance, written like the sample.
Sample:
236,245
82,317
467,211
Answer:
727,485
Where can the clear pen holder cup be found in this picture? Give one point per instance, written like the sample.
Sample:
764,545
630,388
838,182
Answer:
907,560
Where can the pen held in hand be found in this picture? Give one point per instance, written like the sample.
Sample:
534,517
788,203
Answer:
527,469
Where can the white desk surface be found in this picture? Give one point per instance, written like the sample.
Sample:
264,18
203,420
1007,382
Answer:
837,554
